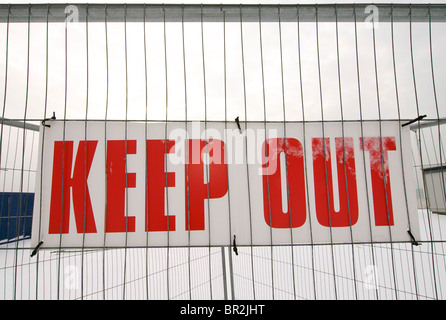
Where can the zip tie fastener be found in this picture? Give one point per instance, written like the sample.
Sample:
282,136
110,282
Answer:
414,120
412,238
36,249
234,246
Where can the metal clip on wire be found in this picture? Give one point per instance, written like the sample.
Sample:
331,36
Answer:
234,246
412,238
414,120
238,124
36,249
52,118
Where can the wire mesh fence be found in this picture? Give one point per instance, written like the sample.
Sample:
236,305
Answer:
186,63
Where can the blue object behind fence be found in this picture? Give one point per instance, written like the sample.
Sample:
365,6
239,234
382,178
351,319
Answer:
16,210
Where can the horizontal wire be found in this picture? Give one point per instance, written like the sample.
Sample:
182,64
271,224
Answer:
67,248
223,120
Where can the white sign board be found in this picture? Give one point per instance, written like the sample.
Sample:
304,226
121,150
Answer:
198,184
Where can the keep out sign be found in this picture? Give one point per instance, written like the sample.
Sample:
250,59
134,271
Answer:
199,184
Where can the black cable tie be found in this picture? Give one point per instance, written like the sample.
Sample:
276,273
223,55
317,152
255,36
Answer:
52,118
414,120
234,246
412,238
238,124
36,249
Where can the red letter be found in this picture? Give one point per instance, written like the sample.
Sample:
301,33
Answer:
116,185
156,220
379,160
197,190
348,211
63,182
272,183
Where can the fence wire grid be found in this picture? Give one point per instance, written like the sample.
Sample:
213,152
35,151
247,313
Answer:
267,63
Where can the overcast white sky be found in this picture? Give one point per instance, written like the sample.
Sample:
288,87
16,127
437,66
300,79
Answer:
213,51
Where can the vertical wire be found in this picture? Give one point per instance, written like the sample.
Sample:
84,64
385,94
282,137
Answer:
266,149
382,161
435,100
29,170
324,147
4,188
343,148
125,148
305,150
42,150
226,159
146,183
19,215
421,156
400,140
105,149
207,146
382,156
430,164
246,150
401,152
2,120
6,81
186,154
85,154
372,247
63,156
1,140
286,161
165,151
419,144
14,166
1,129
26,223
225,154
443,191
12,188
